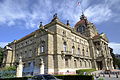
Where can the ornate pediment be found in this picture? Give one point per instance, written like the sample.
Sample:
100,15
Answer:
103,36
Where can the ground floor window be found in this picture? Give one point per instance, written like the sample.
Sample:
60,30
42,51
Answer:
75,63
80,63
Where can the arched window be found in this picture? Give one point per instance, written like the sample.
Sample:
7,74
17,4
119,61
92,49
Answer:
66,63
78,50
42,48
73,48
89,63
87,51
64,46
80,63
85,63
83,51
75,63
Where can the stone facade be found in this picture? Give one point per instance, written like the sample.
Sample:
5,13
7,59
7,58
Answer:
57,48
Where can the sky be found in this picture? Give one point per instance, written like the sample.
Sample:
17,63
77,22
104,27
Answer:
21,17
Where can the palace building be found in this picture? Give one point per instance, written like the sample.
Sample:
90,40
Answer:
58,48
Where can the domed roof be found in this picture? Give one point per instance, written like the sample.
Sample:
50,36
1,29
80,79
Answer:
79,23
83,20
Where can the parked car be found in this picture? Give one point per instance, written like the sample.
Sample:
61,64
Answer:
44,77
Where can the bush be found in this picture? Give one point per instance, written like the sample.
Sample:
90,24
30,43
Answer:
88,71
13,68
21,78
100,79
8,72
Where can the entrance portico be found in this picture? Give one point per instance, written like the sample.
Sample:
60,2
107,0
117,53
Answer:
99,65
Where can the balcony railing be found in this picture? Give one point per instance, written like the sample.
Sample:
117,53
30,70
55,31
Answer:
99,55
66,53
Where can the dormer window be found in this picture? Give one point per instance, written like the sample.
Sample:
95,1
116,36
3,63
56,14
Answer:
42,48
81,29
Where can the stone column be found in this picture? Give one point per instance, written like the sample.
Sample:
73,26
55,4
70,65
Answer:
111,64
19,68
36,68
95,64
42,68
105,66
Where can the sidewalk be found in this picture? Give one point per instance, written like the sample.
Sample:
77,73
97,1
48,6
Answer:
106,76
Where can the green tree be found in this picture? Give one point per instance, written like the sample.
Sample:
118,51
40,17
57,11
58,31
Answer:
118,62
115,60
113,56
1,55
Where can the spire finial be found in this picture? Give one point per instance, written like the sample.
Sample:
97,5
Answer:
55,15
83,16
40,24
68,23
55,18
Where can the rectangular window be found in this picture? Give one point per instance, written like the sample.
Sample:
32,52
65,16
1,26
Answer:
64,48
78,50
42,48
80,63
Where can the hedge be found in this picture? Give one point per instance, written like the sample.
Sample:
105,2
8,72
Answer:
75,77
81,71
20,78
63,77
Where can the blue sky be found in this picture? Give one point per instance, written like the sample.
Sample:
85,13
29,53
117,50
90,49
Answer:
21,17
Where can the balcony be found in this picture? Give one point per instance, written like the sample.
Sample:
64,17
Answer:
99,55
67,53
77,55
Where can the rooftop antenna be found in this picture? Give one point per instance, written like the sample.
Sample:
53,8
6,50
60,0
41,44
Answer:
82,9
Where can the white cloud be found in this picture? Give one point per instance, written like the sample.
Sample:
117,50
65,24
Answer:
115,46
33,11
11,23
98,13
3,44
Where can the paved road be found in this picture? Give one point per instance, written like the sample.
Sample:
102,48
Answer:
107,78
112,77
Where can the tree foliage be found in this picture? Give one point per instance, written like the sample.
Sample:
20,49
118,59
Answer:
7,72
1,55
115,60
